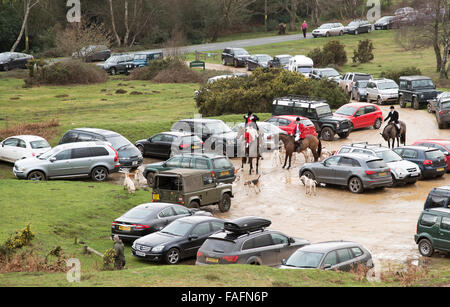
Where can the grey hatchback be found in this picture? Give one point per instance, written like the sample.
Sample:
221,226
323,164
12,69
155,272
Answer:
336,255
356,171
88,159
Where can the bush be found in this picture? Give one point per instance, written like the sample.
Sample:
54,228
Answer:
16,241
333,53
235,95
108,260
364,53
396,74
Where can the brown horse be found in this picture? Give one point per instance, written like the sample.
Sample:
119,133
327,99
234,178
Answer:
390,133
253,151
310,142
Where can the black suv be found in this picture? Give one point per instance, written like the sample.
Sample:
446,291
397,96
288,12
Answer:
318,111
441,107
129,155
118,64
246,241
235,56
438,198
417,90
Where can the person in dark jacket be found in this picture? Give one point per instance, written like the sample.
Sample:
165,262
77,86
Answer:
119,248
393,117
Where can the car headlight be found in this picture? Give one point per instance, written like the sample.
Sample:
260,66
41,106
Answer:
422,96
158,248
337,125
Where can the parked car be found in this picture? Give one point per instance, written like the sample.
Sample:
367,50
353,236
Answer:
280,61
361,114
359,91
329,74
337,255
193,188
11,60
179,240
169,144
235,56
220,166
301,64
350,79
21,147
417,90
258,60
382,91
142,59
93,53
385,23
431,161
357,27
247,241
89,159
329,29
442,144
149,218
271,135
358,172
220,77
441,108
118,64
129,155
402,171
318,111
438,198
287,124
433,231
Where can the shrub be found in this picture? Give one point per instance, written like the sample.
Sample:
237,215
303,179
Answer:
16,241
108,260
364,53
396,74
333,53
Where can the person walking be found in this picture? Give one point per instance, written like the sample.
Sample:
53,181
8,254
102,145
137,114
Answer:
304,28
119,262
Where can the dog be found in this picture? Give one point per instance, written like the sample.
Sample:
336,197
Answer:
255,183
129,184
326,154
309,184
139,178
276,158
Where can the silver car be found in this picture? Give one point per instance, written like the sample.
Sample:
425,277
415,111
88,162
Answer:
329,29
355,171
86,159
382,91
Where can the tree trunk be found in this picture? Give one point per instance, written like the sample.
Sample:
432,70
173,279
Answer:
127,28
119,43
28,7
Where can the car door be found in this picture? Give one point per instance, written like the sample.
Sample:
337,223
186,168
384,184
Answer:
167,216
281,247
330,261
196,237
370,91
22,150
155,145
60,164
7,151
345,260
371,115
81,161
443,241
326,173
358,118
263,249
344,169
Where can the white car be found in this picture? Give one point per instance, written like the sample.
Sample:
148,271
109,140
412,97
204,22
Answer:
382,91
329,29
20,147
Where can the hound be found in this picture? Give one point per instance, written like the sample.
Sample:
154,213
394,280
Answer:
139,178
128,183
276,158
309,184
326,154
255,183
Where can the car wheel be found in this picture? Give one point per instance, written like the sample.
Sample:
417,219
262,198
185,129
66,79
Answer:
402,102
309,175
236,64
225,203
415,103
356,32
358,98
394,181
36,176
327,134
341,33
173,256
355,185
224,62
379,101
426,248
151,179
141,149
328,34
315,36
99,174
194,204
429,108
344,135
6,67
377,124
113,72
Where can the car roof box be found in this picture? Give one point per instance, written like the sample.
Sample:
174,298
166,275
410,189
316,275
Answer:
247,224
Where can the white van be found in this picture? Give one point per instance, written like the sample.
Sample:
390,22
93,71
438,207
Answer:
301,64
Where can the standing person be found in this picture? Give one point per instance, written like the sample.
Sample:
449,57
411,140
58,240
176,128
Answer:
394,118
304,28
119,262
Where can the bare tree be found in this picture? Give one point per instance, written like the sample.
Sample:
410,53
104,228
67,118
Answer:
113,22
28,5
291,7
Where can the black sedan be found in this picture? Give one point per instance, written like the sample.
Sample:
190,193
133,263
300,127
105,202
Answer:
148,218
385,23
358,26
180,239
118,64
169,144
258,60
11,60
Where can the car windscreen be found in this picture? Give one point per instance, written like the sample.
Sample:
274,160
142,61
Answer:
177,228
329,73
326,26
446,105
362,77
240,52
218,128
170,183
425,83
139,213
387,86
323,110
376,164
263,58
305,69
346,110
284,60
193,139
4,56
219,163
434,154
389,156
305,259
362,84
218,246
353,24
49,153
113,59
39,144
118,142
384,19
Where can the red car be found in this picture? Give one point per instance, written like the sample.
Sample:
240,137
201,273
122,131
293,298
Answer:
287,123
362,115
441,144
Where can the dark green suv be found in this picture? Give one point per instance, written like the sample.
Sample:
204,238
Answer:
433,231
220,167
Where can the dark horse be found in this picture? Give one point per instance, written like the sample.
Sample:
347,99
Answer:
253,151
390,133
310,142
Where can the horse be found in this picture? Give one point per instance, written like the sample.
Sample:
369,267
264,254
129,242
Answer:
254,149
310,141
390,133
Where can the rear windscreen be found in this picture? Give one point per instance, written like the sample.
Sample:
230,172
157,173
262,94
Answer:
218,246
375,164
222,163
435,154
170,183
362,77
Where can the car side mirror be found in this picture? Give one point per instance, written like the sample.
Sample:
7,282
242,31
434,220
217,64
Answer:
291,241
164,164
327,266
283,262
52,159
193,237
446,153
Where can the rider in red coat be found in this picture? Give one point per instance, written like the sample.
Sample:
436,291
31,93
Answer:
299,133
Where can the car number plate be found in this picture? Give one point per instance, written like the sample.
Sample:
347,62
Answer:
140,254
195,147
125,228
345,130
155,196
440,169
212,260
383,174
135,163
224,173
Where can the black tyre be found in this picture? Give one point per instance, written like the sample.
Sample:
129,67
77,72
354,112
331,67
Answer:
402,102
172,256
426,248
394,182
141,149
328,34
194,204
415,103
36,176
344,135
151,179
355,185
327,134
429,108
225,203
224,62
99,174
379,101
309,174
356,32
113,72
6,67
236,64
377,124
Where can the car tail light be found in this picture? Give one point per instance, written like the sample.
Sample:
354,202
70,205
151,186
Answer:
116,158
269,137
114,223
199,254
33,154
371,172
230,258
213,173
183,146
427,162
140,226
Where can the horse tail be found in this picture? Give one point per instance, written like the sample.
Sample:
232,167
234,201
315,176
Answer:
319,150
403,138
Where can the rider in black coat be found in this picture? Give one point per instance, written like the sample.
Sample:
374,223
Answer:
393,118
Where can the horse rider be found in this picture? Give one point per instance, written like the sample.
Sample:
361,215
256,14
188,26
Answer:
393,119
299,134
250,121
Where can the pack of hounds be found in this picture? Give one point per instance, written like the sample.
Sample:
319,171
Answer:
134,181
